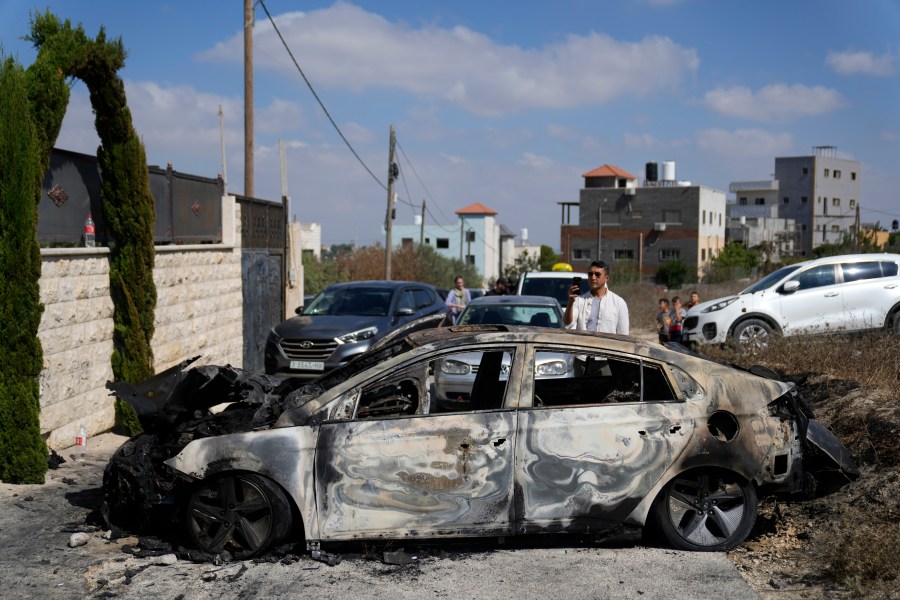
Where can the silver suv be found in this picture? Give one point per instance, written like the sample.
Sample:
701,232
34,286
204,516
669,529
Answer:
828,295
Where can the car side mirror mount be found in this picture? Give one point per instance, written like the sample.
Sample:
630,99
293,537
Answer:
299,309
791,286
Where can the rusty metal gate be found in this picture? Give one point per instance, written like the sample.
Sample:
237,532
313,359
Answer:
262,274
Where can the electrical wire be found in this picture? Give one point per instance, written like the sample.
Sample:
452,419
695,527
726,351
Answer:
422,183
316,96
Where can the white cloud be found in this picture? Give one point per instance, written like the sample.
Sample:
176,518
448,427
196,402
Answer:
346,47
774,103
535,161
641,141
744,143
861,63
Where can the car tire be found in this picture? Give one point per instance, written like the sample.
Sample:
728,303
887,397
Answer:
706,511
752,335
896,327
242,513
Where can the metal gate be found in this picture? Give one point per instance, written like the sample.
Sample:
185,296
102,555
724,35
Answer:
262,274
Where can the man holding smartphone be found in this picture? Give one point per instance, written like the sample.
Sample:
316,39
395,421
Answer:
599,309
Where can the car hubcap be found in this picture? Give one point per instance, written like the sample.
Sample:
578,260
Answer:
706,511
232,514
754,337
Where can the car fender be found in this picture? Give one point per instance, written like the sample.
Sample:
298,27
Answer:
771,320
286,456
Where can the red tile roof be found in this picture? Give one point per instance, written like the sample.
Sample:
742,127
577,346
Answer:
609,171
476,208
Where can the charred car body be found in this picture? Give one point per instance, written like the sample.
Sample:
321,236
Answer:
640,435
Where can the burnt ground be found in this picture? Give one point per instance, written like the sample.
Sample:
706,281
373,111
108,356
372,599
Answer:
845,542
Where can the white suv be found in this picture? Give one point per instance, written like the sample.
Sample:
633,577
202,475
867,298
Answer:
827,295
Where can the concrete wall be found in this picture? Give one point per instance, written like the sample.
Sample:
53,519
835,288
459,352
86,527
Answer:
199,310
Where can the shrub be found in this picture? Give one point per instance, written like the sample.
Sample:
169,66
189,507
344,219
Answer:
23,453
673,273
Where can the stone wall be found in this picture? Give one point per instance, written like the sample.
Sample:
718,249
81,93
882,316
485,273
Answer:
199,311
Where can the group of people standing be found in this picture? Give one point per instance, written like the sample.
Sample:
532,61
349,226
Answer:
599,309
670,320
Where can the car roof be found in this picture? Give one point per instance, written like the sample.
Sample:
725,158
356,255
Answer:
379,283
551,274
850,258
515,300
463,334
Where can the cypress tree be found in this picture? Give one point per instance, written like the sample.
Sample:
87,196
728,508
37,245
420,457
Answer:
23,453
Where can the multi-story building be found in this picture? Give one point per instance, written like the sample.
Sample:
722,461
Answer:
642,227
754,220
821,194
476,238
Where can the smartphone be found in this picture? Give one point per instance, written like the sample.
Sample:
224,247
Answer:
576,281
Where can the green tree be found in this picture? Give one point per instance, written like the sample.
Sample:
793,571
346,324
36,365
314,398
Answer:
524,263
23,453
672,273
128,208
735,261
548,258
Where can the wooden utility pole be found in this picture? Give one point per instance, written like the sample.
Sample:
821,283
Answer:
389,219
248,98
422,225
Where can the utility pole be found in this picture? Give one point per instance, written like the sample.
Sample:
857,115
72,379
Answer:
248,98
393,171
461,236
222,143
422,225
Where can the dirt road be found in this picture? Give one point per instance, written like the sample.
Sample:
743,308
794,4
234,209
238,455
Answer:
37,521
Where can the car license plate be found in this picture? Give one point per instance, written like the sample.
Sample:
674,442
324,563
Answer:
308,365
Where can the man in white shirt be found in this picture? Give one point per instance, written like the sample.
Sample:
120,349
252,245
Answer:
598,309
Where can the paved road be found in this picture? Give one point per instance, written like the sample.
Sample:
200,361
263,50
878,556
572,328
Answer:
36,522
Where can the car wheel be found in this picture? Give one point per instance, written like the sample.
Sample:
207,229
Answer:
706,511
244,514
897,323
752,335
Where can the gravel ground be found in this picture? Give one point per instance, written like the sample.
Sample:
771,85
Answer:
37,521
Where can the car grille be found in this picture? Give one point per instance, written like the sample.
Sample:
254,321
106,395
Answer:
308,349
691,322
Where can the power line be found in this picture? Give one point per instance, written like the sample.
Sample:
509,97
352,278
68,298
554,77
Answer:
316,96
422,183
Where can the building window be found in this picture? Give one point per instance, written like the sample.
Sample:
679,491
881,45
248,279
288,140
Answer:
623,254
720,219
702,253
835,228
470,259
786,200
803,227
835,201
704,217
443,242
470,236
853,175
805,171
671,216
760,201
837,174
669,254
827,172
742,201
406,242
803,199
852,203
581,254
427,240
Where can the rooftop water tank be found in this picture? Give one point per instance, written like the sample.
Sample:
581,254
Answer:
651,172
668,170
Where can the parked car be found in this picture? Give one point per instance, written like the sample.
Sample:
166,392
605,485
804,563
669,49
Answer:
454,377
644,435
555,284
828,295
342,322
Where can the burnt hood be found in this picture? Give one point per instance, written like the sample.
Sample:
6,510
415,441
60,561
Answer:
178,395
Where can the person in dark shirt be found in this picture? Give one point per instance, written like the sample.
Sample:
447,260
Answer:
501,287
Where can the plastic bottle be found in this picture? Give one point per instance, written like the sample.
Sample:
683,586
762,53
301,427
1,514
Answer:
89,231
81,441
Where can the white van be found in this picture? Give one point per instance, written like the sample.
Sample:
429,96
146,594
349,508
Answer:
555,284
834,294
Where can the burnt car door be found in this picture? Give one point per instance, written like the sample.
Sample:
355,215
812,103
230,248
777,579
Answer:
595,442
398,467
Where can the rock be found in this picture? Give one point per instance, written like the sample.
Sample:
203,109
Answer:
78,539
778,584
164,560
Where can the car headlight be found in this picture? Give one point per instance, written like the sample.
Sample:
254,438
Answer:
358,336
552,368
455,367
719,305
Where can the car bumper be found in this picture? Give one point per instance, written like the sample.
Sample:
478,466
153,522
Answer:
278,363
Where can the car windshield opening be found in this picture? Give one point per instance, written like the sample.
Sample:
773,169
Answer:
356,301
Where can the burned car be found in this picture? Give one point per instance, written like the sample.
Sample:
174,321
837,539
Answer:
640,435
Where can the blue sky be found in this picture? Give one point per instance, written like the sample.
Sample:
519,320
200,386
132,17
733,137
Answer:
504,103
